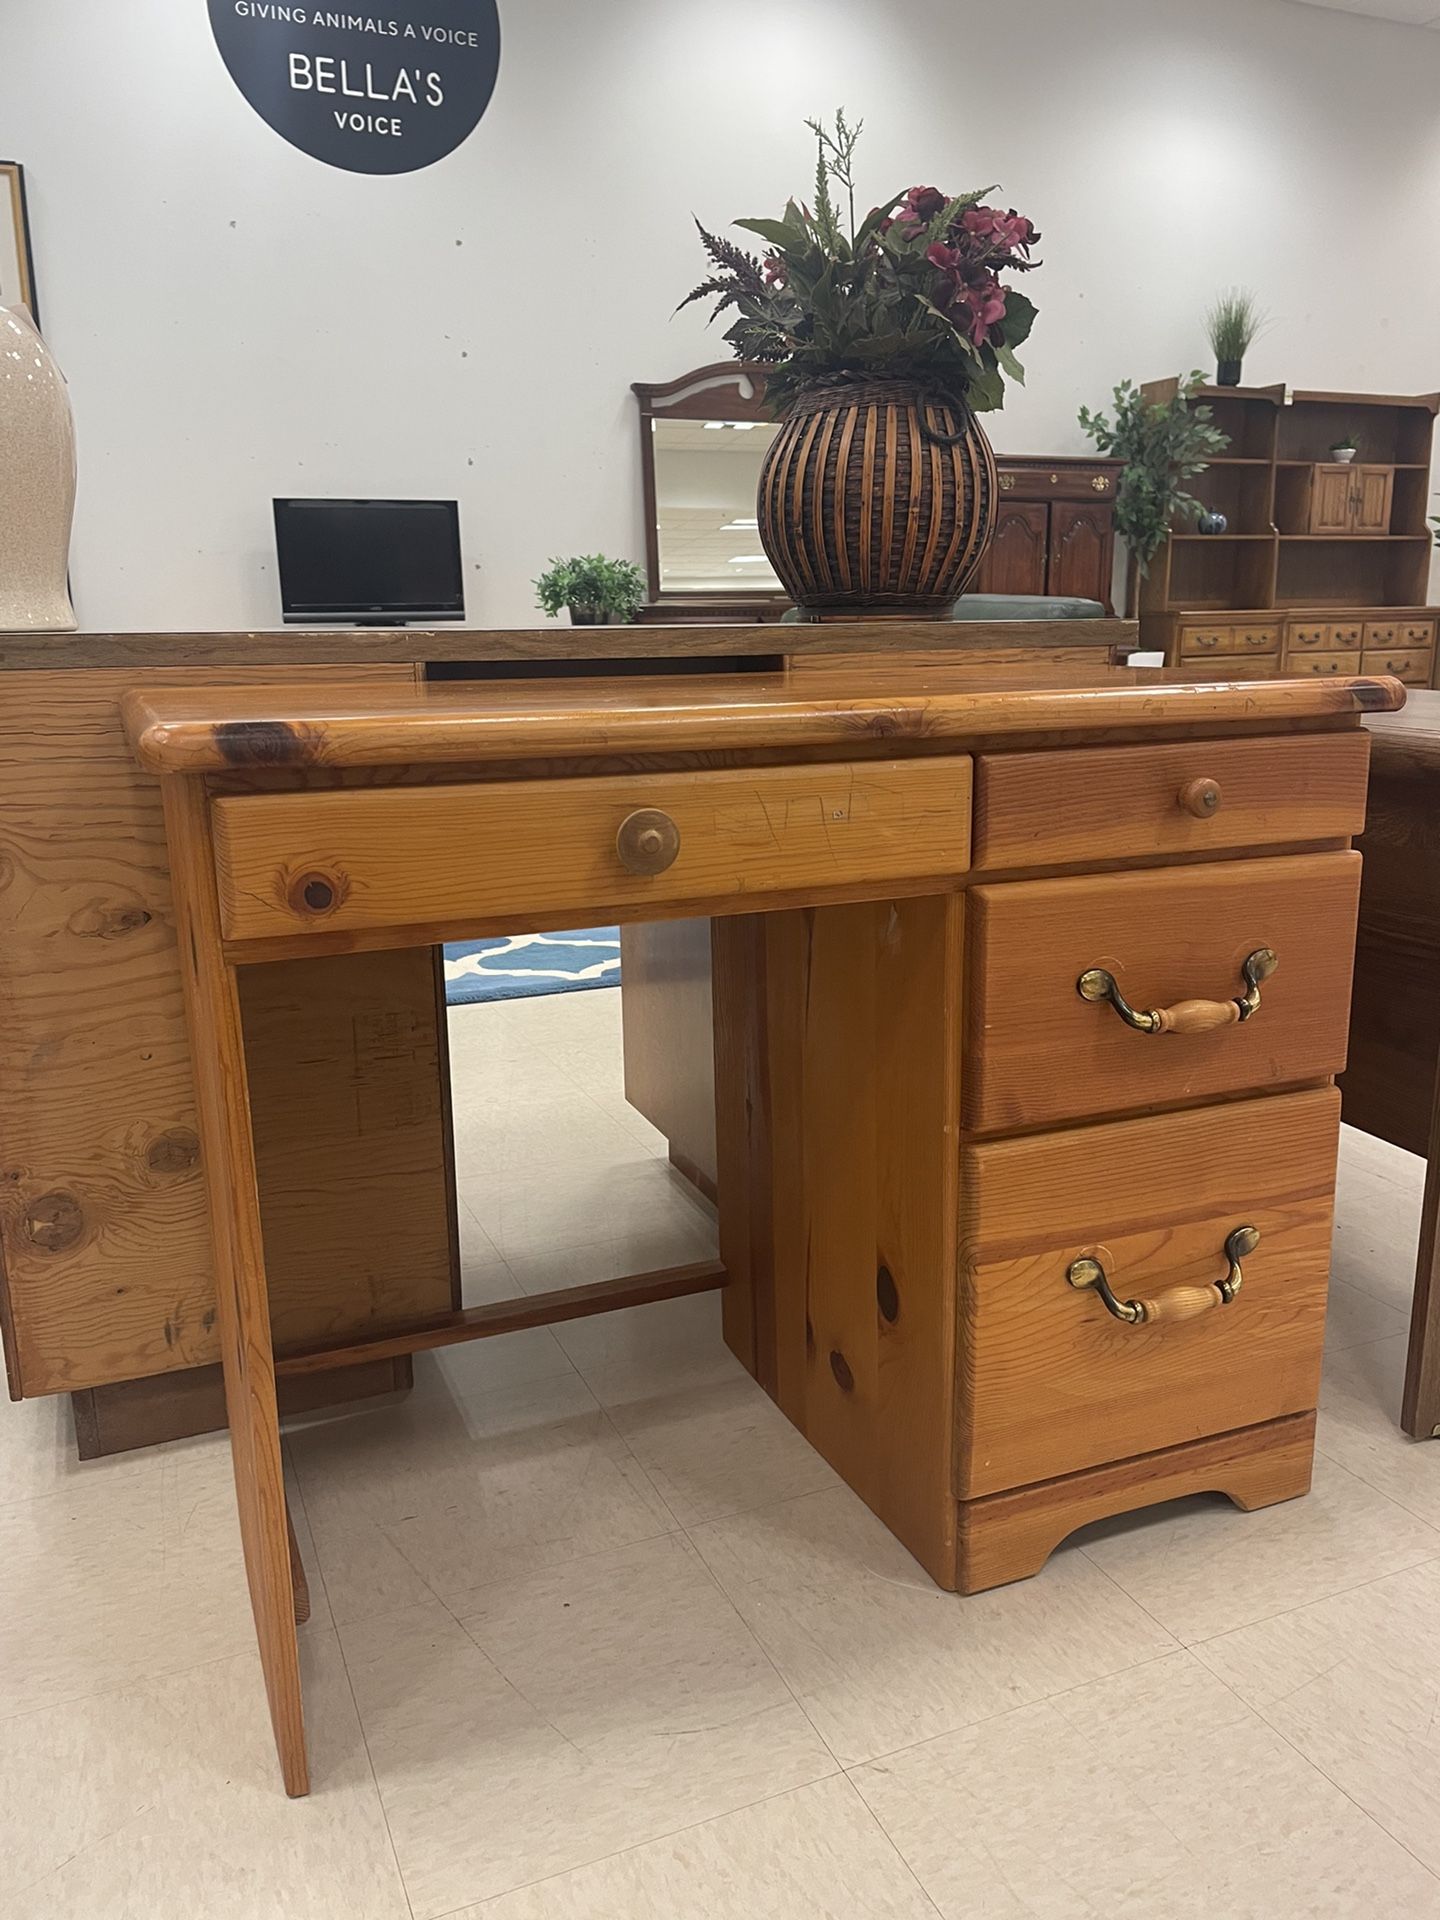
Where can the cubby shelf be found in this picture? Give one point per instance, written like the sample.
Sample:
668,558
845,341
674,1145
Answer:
1305,531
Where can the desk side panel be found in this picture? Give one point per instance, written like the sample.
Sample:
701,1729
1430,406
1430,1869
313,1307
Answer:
107,1271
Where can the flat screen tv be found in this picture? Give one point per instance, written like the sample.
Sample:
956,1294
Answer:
370,562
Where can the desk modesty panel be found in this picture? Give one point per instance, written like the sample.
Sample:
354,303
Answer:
921,1232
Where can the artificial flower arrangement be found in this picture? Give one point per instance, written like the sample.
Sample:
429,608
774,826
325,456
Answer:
914,291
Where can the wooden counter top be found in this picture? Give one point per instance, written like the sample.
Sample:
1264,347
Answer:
325,646
213,729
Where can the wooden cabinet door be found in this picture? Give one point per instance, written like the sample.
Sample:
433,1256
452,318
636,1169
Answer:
1082,545
1373,489
1015,559
1330,507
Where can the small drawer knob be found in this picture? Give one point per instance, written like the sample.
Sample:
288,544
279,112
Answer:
1200,797
648,841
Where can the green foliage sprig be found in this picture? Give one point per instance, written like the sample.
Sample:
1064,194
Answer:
1234,323
1162,443
912,291
592,584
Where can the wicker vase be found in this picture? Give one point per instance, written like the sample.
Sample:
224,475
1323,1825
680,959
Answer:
876,498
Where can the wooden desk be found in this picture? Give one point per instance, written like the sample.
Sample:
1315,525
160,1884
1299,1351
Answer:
941,1136
1391,1086
106,1290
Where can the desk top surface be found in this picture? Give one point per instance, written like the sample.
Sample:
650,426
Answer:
215,729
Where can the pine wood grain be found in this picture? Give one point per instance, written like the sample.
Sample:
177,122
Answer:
213,1019
1010,1536
1051,1382
475,722
423,856
1038,1053
105,1253
855,1166
1112,803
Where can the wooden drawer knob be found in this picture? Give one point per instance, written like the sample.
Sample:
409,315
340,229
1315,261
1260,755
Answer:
648,841
1200,797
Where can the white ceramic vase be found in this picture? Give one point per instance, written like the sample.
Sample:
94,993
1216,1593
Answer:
37,482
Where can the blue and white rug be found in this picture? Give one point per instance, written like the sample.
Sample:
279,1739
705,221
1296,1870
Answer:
528,964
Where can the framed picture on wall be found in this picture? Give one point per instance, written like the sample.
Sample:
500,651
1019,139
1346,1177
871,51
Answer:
17,268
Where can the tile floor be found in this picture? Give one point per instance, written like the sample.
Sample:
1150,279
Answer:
596,1635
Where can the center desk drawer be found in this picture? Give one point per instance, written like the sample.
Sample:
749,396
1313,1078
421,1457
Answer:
346,859
1052,1381
1037,1052
1115,803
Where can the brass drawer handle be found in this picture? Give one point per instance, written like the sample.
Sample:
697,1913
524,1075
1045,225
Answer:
647,841
1179,1303
1186,1016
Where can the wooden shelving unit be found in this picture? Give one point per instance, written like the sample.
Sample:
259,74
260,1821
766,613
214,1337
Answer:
1325,566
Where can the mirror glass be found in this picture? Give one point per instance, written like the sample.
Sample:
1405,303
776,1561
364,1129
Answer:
706,475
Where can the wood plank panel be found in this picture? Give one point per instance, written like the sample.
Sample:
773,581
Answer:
667,1027
242,1305
1039,1054
1095,804
401,857
1051,1382
105,1252
862,1065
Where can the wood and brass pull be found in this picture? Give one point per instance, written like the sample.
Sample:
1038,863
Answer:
647,841
1186,1016
1177,1303
1200,798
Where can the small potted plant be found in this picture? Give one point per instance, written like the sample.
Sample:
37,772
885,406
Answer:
1233,324
1344,449
598,592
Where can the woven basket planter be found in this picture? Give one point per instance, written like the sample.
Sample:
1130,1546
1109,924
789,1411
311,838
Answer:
877,498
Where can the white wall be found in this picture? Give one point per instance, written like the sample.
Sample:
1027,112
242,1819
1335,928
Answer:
238,320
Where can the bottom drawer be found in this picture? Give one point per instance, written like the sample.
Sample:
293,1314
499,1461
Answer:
1410,664
1050,1381
1308,663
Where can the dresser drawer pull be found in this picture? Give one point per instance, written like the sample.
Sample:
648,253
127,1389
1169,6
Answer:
1179,1303
1186,1016
648,841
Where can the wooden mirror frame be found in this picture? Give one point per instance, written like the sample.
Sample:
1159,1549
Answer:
725,390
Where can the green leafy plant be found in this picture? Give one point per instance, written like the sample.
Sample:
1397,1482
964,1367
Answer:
913,291
1233,324
591,584
1162,443
1346,443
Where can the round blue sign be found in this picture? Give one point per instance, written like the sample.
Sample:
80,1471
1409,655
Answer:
372,92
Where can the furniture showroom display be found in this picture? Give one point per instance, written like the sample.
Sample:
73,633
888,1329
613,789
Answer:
1031,998
1324,565
702,439
1390,1086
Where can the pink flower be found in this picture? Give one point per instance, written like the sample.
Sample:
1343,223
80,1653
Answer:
774,269
1011,231
919,207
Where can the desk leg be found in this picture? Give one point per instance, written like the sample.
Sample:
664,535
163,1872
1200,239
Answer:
1420,1408
212,1005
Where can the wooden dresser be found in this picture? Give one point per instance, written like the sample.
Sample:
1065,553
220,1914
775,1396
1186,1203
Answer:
1323,567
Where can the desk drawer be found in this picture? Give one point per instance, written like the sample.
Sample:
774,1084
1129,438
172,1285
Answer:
1113,803
1410,664
1038,1053
1052,1382
1317,663
344,860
